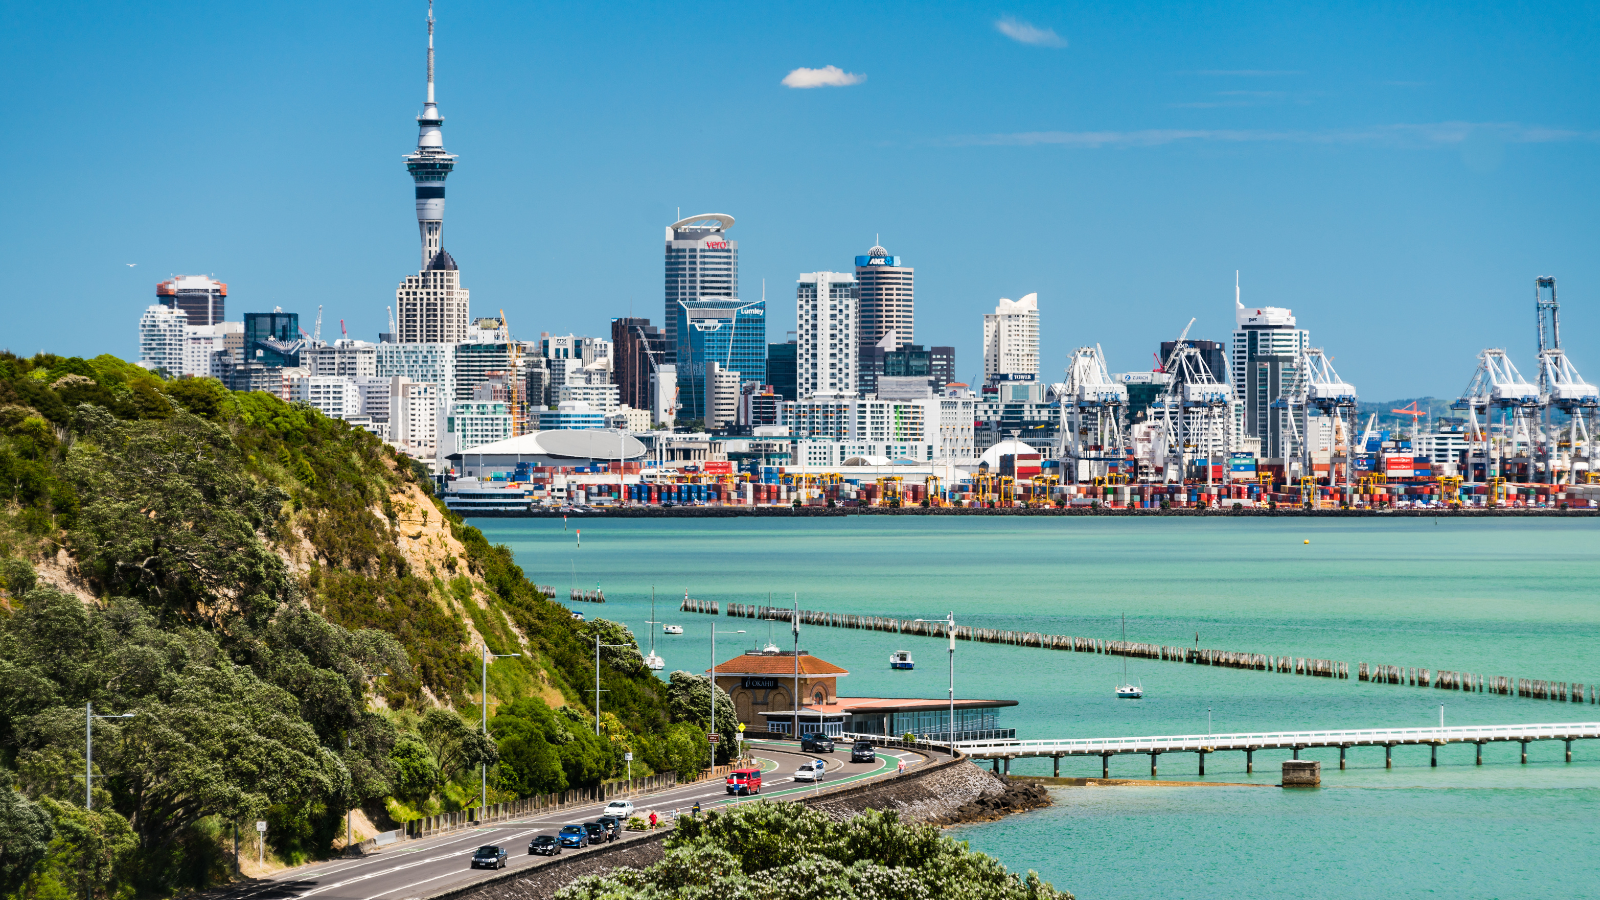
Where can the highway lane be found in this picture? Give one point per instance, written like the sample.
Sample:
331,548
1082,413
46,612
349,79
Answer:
415,869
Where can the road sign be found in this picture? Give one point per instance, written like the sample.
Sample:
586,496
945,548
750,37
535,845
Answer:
713,737
627,757
261,827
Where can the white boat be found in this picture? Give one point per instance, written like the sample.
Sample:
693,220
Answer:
577,617
901,659
653,662
1127,690
672,629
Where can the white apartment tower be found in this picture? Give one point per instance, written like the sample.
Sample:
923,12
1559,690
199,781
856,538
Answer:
1265,358
1011,340
162,334
826,333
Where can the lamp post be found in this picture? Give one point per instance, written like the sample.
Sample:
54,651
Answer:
88,750
711,682
950,627
597,691
483,768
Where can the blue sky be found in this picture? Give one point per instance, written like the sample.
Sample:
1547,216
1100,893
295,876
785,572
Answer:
1397,174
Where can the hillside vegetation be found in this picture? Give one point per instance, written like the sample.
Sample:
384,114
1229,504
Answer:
294,622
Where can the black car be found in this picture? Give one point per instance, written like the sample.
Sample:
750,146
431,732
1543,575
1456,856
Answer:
613,826
816,742
489,857
544,845
574,836
863,752
598,834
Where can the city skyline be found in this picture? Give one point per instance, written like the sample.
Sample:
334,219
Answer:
1382,207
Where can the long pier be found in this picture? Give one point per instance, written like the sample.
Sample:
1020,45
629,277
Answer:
1002,752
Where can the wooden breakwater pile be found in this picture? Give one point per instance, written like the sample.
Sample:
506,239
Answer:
545,589
582,596
1560,691
700,606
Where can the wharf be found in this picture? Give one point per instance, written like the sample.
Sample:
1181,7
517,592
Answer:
1002,752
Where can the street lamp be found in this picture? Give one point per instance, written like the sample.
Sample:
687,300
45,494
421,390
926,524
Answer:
950,626
711,682
483,767
88,750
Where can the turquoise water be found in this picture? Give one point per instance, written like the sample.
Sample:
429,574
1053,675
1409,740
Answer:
1506,597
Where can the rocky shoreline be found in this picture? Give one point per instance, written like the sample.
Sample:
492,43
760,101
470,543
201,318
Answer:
953,795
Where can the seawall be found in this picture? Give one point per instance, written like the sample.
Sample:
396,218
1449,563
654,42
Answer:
816,512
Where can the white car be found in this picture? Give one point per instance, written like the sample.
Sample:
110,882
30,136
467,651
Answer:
811,770
622,809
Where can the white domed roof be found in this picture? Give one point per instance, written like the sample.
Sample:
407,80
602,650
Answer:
878,252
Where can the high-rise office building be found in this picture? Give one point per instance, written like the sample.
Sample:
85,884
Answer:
1214,353
201,299
886,305
431,306
730,332
1011,340
941,366
638,348
701,264
1266,357
429,166
826,334
781,369
272,339
345,357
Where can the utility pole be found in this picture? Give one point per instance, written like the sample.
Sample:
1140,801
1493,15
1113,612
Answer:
950,627
597,691
483,768
711,682
88,750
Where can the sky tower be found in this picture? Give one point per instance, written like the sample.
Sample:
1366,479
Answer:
430,165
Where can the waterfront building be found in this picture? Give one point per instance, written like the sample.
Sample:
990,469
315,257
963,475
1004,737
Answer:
1011,340
571,414
922,429
638,348
203,300
758,404
886,306
629,419
600,395
826,355
781,372
728,331
474,423
701,263
766,685
337,397
273,339
1144,389
1266,357
161,339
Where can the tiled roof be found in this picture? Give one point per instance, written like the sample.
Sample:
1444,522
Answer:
773,664
891,704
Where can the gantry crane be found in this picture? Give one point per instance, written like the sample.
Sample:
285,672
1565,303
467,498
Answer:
1561,388
1497,385
1092,411
1196,411
1317,386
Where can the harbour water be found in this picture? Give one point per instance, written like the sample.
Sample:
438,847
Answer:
1499,597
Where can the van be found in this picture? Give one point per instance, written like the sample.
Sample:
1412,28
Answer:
744,781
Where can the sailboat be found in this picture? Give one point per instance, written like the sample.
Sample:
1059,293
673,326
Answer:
653,662
1127,690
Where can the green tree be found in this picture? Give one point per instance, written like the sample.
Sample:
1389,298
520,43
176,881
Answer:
457,747
689,701
25,833
415,773
93,848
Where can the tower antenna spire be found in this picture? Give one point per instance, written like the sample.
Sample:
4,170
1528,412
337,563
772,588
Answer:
430,51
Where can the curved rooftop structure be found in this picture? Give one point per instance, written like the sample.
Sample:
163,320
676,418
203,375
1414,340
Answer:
722,221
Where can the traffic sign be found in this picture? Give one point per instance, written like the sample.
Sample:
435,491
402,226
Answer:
713,737
261,826
627,757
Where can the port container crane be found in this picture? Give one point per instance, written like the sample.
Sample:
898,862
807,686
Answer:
1562,389
1498,386
1318,386
1196,411
1093,405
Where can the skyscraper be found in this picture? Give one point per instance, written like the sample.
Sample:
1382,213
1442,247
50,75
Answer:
1266,356
1011,340
638,348
886,305
272,339
201,299
429,165
431,306
701,264
826,328
728,331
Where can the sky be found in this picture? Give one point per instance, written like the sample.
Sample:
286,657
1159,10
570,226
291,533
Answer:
1397,174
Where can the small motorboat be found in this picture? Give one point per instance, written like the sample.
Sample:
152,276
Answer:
901,659
1130,691
577,617
672,629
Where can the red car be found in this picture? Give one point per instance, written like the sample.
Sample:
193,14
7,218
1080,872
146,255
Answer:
744,781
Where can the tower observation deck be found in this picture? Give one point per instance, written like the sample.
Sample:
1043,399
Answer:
429,165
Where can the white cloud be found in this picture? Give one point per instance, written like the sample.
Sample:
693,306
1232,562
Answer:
827,76
1438,134
1026,33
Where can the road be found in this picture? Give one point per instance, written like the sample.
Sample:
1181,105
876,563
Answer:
414,869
